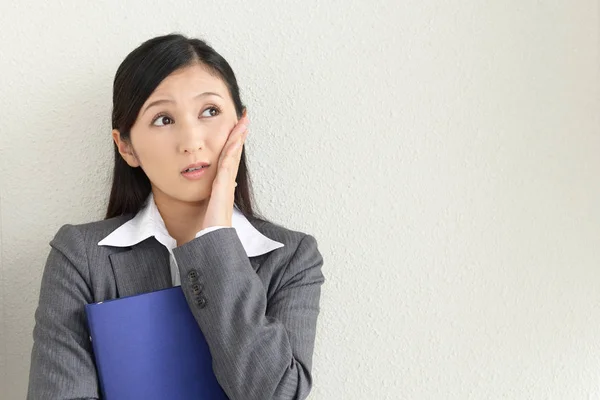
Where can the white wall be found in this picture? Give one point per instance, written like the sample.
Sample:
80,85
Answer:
444,153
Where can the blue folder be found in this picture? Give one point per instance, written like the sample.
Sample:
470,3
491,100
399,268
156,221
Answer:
149,346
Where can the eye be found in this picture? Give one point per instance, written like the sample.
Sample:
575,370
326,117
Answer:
163,120
212,112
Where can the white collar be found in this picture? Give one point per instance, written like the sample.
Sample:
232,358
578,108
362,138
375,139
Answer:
148,222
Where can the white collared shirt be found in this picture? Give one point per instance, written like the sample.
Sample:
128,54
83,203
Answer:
148,222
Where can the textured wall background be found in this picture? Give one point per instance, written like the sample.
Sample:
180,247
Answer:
444,154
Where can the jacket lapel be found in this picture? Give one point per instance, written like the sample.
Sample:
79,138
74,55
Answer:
144,268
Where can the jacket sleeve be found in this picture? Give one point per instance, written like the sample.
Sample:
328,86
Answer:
260,350
62,365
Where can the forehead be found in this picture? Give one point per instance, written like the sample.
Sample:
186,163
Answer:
190,80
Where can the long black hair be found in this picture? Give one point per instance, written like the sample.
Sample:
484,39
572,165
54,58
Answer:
138,75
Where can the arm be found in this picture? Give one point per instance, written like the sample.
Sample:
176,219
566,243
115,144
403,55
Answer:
62,365
259,350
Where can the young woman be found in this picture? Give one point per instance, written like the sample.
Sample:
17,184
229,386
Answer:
180,213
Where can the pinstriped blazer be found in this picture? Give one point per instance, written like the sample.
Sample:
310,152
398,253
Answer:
258,314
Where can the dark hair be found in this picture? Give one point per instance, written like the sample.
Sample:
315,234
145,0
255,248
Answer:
138,75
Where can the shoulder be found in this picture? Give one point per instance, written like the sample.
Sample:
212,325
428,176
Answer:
71,247
87,234
297,244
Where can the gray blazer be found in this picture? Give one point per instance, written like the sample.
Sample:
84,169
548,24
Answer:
258,314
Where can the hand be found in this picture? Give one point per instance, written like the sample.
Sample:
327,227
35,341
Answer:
220,204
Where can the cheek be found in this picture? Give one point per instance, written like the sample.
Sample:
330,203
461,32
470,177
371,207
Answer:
151,153
151,149
219,135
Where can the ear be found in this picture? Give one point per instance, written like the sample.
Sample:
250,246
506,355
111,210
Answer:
125,149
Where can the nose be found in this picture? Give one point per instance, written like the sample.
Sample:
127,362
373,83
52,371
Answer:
192,137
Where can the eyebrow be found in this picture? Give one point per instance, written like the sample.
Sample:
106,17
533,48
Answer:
161,101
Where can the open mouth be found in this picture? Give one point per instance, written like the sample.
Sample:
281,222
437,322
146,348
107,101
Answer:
194,169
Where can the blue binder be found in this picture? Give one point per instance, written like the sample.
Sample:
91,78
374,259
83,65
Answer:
149,346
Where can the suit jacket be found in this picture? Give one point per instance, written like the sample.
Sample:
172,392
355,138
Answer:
258,314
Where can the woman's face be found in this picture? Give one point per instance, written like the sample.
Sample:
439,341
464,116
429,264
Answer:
186,120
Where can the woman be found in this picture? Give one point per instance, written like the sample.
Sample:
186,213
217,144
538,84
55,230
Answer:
180,213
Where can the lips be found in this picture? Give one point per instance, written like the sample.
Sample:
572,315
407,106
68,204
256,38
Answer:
195,166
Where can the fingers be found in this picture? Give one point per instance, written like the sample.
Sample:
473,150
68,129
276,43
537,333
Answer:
235,143
238,130
232,151
240,126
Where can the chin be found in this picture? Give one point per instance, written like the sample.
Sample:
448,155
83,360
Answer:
189,193
193,196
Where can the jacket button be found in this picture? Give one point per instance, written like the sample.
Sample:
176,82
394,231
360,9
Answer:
201,301
197,288
193,275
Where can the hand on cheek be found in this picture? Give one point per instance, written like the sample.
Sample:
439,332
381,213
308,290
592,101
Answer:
220,205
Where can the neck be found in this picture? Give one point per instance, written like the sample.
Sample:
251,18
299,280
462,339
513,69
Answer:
182,219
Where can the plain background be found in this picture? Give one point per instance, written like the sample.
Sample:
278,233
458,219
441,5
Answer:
445,154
